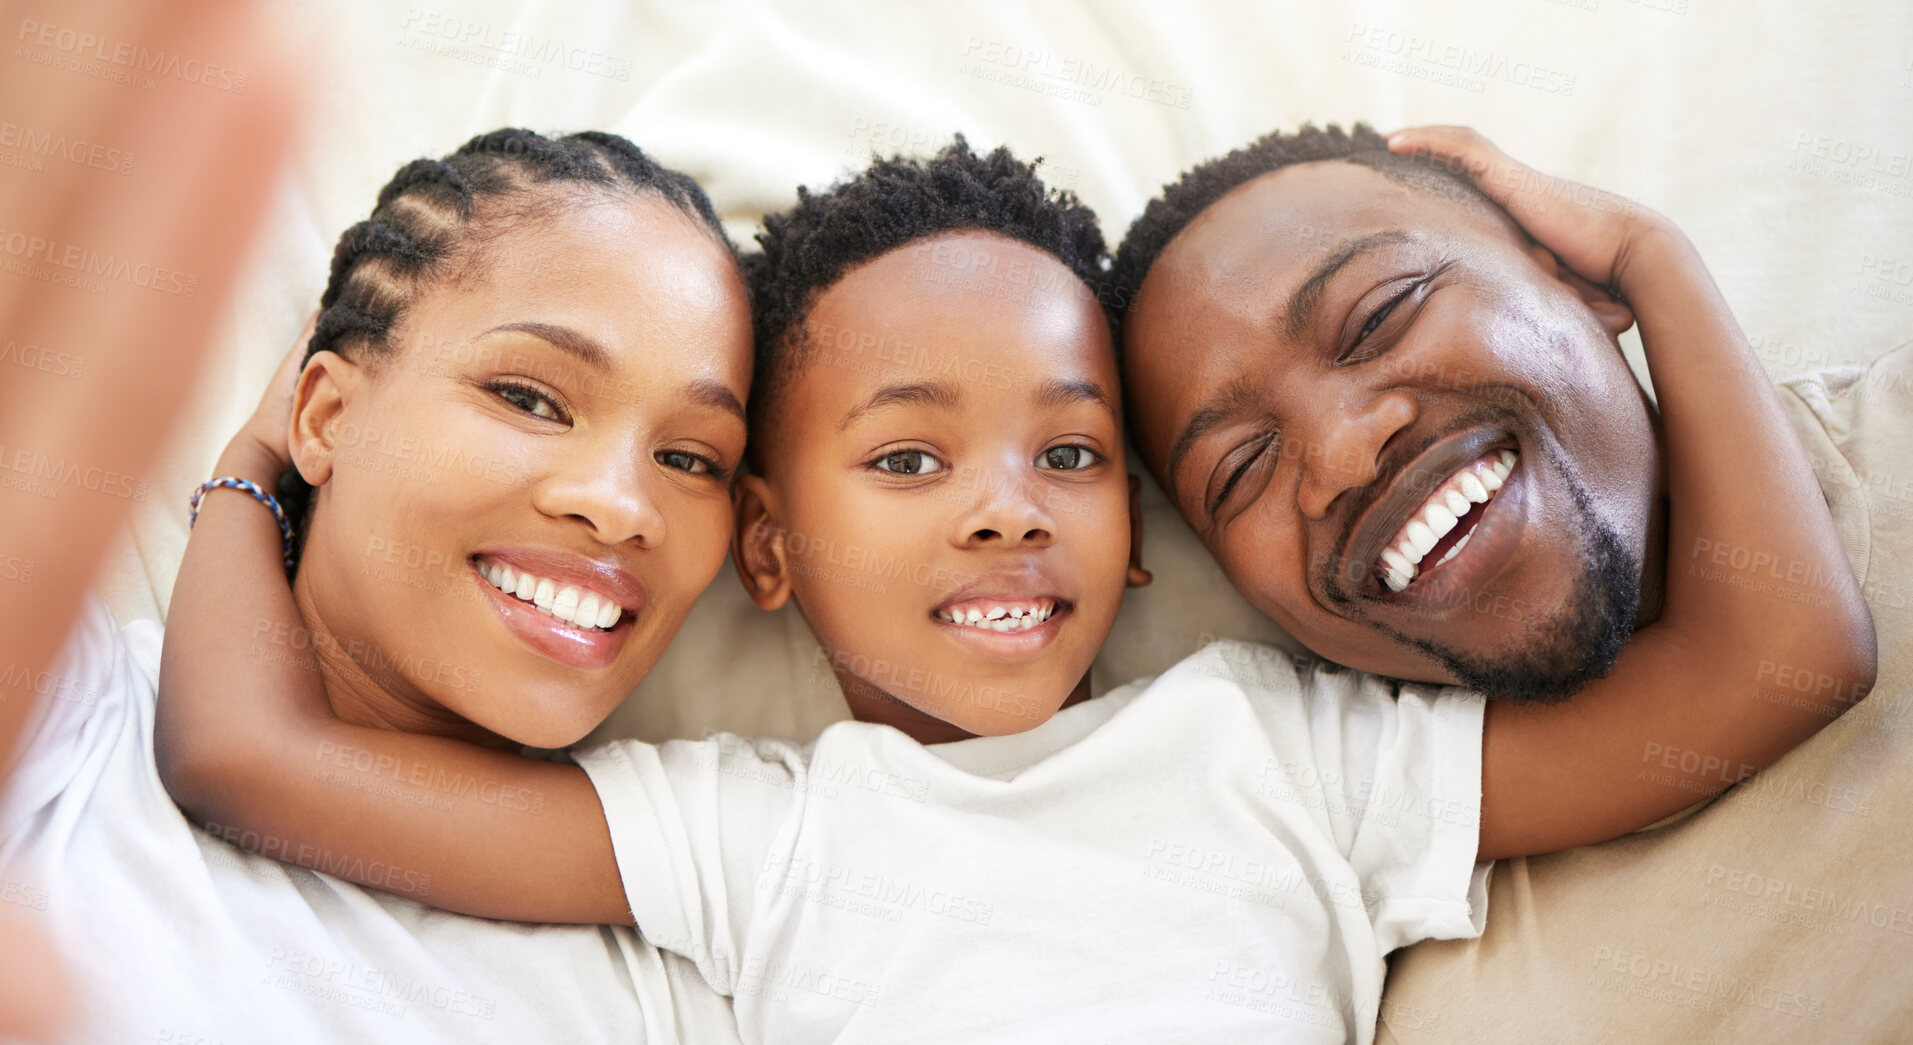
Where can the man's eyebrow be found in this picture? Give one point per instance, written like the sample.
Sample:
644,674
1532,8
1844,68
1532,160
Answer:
937,394
1059,392
1301,309
586,350
706,392
1227,401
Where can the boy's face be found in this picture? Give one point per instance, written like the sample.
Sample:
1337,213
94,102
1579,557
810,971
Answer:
945,493
1324,352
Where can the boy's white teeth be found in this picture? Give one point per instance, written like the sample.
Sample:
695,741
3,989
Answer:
996,617
565,602
1444,509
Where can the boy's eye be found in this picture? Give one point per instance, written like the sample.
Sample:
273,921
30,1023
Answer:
684,461
909,462
1068,458
529,399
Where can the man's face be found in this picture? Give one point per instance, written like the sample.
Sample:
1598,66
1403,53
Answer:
1405,438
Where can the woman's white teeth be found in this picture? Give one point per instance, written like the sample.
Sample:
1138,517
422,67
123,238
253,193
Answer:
1451,502
1000,618
566,602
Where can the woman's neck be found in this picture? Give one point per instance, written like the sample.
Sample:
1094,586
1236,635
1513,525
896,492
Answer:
359,696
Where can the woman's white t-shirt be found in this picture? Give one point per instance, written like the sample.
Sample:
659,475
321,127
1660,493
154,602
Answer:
176,937
1223,854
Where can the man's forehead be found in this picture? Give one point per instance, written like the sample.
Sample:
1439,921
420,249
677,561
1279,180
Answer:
1289,216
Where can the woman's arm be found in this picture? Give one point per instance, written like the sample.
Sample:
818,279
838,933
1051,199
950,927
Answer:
248,746
1684,713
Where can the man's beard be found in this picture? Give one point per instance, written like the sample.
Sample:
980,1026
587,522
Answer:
1580,644
1553,659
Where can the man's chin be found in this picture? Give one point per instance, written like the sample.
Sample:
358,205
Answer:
1559,656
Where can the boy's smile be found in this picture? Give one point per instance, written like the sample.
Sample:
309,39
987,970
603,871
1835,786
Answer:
944,491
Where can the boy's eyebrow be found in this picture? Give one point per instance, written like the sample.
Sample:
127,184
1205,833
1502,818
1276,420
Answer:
931,393
1059,392
587,351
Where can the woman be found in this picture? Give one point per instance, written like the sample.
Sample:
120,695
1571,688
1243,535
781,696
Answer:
533,353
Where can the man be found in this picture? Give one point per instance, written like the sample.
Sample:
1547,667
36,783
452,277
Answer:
1251,287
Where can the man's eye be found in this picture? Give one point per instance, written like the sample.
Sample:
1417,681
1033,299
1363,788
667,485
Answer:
909,462
1254,453
685,461
1069,458
529,399
1376,319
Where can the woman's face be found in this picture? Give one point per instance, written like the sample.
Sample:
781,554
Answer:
524,497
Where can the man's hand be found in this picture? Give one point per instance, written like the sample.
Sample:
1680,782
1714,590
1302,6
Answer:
1594,233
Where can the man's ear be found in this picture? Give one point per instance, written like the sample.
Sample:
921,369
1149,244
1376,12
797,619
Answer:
325,386
1138,577
1613,313
758,548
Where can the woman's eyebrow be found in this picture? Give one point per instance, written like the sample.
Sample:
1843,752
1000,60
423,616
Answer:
581,346
929,393
706,392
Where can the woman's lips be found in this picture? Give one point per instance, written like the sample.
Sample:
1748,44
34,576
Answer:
587,649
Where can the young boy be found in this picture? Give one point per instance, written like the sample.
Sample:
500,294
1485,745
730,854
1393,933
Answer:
1225,853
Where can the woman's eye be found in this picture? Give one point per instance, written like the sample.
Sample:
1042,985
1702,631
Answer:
684,461
909,462
530,400
1069,458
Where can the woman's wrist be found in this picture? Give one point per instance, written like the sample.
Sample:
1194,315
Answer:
246,458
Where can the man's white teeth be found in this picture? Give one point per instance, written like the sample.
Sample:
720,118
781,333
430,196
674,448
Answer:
566,602
1451,502
1472,489
1000,618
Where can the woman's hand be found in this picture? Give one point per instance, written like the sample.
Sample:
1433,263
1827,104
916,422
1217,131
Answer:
264,436
1594,233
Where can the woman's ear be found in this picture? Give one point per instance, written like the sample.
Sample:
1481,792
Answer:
1138,577
325,386
1612,312
757,548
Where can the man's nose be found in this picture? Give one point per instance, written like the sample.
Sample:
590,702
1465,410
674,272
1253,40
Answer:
1343,450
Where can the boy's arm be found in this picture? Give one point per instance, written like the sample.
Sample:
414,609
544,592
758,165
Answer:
1684,714
248,745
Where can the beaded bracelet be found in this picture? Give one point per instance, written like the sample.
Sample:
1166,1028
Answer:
252,490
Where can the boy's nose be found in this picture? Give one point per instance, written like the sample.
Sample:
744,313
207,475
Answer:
1007,514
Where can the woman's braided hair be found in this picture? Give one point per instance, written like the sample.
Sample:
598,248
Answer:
423,231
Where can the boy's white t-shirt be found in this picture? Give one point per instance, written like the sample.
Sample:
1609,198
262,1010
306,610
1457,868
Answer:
1222,854
173,936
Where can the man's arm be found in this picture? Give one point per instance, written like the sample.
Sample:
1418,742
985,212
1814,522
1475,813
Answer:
1685,712
248,746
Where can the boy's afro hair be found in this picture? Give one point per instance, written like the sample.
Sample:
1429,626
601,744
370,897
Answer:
1205,183
894,202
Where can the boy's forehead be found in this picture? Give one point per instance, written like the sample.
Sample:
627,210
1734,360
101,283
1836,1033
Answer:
979,312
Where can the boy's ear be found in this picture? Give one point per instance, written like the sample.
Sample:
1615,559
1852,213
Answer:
1613,313
325,386
1138,577
758,548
